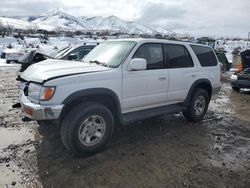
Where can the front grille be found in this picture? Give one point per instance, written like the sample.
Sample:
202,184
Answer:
26,88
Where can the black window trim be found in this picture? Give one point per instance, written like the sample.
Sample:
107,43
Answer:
199,59
160,43
186,50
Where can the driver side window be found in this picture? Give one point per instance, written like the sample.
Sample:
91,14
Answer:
153,53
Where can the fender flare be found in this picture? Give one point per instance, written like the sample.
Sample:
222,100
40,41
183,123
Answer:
193,87
91,92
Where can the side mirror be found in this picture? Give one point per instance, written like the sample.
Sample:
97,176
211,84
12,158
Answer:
72,57
137,64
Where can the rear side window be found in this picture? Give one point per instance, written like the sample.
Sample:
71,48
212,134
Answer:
205,55
177,56
153,54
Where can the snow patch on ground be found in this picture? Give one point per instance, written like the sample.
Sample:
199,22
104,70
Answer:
4,64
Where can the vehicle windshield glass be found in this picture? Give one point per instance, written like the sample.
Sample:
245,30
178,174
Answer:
55,52
63,52
110,53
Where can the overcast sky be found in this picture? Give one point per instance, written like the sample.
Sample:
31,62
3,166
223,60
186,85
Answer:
197,17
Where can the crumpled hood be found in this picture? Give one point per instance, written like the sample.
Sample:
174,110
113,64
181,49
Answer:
51,68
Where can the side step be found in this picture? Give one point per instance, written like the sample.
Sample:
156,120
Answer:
149,113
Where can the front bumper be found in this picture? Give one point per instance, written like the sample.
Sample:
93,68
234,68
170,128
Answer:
39,112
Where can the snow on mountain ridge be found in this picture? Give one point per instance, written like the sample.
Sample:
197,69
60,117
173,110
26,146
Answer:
60,20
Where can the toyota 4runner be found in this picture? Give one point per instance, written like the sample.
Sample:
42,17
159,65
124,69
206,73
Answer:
120,81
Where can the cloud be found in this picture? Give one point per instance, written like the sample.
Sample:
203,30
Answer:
198,17
214,18
27,7
156,12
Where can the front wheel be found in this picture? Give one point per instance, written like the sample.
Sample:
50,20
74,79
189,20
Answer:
87,128
198,106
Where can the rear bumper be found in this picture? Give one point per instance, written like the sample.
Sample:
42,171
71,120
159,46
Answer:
241,83
39,112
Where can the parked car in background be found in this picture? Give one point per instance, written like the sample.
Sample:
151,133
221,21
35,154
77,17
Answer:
241,80
2,52
76,52
32,57
66,53
120,81
14,55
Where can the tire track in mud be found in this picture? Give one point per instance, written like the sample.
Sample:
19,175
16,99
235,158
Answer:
161,152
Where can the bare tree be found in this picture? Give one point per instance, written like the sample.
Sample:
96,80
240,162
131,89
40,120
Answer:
1,28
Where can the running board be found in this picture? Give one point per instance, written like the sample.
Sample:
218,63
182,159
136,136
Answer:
149,113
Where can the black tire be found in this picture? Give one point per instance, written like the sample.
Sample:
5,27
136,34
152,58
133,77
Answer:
190,113
72,124
235,88
8,61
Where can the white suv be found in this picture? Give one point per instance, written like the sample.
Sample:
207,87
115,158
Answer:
122,80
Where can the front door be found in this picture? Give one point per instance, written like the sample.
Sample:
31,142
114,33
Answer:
147,88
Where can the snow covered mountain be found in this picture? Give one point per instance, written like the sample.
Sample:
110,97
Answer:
63,21
113,23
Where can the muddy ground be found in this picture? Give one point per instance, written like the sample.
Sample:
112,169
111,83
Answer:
160,152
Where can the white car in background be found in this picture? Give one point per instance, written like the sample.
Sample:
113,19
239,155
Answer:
14,54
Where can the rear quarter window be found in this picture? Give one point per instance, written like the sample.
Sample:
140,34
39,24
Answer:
205,55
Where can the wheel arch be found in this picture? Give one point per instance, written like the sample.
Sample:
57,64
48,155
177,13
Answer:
201,83
103,96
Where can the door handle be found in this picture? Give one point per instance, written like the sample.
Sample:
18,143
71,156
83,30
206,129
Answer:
162,78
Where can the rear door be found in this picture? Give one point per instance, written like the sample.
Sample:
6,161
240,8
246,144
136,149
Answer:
182,72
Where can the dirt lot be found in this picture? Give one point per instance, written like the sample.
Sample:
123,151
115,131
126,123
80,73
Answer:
161,152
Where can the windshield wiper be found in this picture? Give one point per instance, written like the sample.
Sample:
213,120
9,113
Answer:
99,63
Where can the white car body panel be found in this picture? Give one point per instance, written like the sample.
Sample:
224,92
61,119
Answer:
13,54
50,68
136,90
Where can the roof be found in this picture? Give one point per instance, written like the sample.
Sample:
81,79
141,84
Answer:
138,40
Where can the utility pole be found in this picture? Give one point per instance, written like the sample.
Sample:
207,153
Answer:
248,40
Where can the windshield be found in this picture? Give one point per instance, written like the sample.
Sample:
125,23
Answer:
110,53
62,52
55,52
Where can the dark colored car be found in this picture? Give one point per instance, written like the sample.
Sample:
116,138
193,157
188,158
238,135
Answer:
73,52
243,80
32,57
67,53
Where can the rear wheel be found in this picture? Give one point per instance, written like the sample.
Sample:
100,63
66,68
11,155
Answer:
87,128
198,106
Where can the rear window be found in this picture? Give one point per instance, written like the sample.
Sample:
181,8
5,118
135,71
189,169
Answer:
205,55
